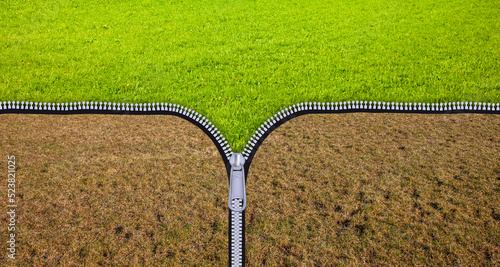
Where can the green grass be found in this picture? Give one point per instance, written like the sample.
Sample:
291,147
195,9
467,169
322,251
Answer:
238,62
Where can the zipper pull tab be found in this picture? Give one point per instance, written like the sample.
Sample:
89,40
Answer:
237,194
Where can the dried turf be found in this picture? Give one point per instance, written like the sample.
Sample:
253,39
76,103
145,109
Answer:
355,189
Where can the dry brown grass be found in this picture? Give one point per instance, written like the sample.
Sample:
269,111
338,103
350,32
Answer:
346,189
108,190
377,189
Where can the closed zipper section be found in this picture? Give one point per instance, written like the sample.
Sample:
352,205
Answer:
236,253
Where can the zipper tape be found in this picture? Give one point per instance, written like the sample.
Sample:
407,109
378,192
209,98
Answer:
237,165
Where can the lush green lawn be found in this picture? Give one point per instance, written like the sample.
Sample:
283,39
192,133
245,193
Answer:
238,62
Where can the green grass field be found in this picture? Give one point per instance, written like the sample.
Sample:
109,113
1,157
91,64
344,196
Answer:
238,62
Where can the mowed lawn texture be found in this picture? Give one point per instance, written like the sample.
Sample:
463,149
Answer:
347,189
239,62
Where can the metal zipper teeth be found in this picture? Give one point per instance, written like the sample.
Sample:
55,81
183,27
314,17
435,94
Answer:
363,106
112,106
237,234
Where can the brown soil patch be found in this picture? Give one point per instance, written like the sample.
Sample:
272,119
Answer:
335,189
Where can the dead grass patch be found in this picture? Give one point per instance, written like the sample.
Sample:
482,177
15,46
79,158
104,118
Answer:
336,189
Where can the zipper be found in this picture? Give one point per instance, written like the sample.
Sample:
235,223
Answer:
237,204
237,164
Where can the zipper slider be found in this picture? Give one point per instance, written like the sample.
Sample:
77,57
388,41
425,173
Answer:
237,195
